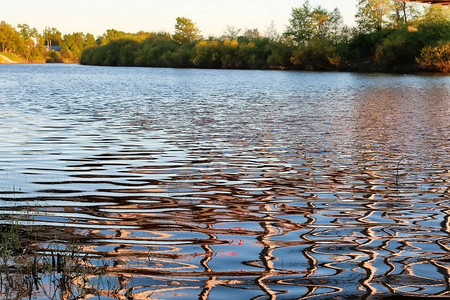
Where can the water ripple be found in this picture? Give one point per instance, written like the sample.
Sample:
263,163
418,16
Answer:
201,183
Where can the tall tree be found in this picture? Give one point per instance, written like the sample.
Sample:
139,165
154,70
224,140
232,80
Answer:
309,22
186,31
89,41
231,32
252,34
372,15
437,14
10,39
112,35
300,23
403,13
52,36
27,32
31,40
74,44
272,32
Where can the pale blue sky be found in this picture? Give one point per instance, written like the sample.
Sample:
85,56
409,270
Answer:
212,17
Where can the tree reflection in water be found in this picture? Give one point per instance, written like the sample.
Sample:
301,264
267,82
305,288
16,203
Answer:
287,185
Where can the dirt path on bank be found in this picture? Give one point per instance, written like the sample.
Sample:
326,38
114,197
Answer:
4,59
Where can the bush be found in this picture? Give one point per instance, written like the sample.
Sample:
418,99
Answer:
155,51
54,57
318,54
435,58
399,48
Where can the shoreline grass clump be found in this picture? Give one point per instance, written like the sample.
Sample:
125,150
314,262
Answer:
51,269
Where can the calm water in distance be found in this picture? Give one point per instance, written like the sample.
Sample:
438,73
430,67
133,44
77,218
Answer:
257,184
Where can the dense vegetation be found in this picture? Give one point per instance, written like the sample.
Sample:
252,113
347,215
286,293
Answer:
390,36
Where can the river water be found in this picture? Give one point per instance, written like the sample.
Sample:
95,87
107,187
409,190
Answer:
258,184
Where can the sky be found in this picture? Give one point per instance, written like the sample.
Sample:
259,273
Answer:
212,17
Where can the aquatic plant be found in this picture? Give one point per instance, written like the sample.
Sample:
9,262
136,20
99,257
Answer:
53,269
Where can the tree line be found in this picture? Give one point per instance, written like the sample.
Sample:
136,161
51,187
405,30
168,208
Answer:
32,46
389,36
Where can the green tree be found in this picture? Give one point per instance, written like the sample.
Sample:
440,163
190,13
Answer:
186,31
318,54
89,41
208,54
309,22
31,40
52,36
183,56
434,26
28,33
10,39
436,14
300,24
73,45
54,57
404,13
229,54
111,35
279,56
160,50
399,48
373,15
434,35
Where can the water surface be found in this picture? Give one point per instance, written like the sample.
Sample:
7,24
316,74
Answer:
264,184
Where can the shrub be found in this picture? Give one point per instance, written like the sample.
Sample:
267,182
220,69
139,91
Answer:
54,57
435,58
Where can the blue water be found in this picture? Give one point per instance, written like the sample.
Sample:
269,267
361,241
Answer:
262,184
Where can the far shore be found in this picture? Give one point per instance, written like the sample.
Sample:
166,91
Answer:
357,68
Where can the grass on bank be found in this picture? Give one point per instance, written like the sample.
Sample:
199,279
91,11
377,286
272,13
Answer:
10,57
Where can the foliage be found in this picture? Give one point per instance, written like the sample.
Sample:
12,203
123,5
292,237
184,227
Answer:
112,35
278,55
54,57
186,31
403,13
25,42
373,15
398,47
162,51
231,32
307,23
247,51
116,53
318,54
74,44
391,36
9,38
208,54
52,36
316,32
437,14
435,58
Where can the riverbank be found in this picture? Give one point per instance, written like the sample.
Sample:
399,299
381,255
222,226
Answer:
11,58
362,53
6,60
360,67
